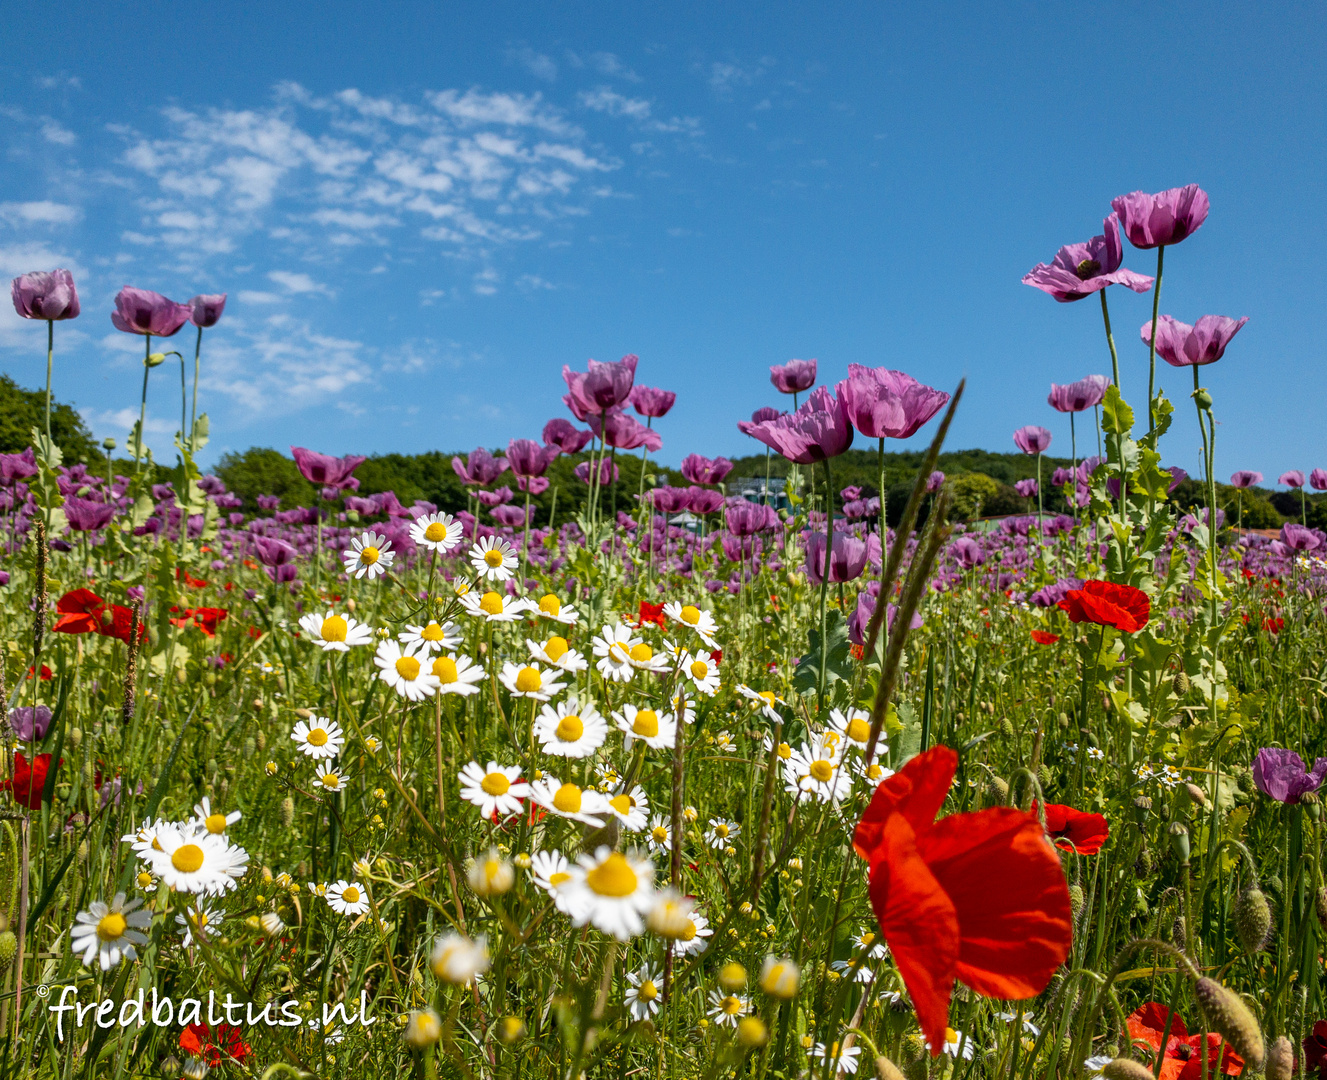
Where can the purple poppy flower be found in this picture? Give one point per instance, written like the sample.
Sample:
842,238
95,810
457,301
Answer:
758,417
884,404
745,518
703,501
323,470
1077,396
1177,477
1181,345
1298,538
204,311
651,401
667,500
495,498
273,552
935,481
566,436
1318,479
268,502
819,430
211,485
535,485
1027,488
30,724
1292,479
608,472
1079,270
84,515
138,311
793,377
601,388
1245,478
624,432
1281,774
513,517
703,470
480,468
847,558
526,458
1032,439
1164,218
967,552
48,295
1060,477
16,467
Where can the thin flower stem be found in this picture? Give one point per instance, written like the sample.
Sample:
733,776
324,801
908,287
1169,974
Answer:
1152,343
824,584
1110,340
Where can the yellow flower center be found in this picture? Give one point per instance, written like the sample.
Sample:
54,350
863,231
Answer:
317,737
216,823
699,669
330,780
568,799
690,614
721,830
187,858
111,927
334,628
144,880
623,804
951,1036
495,783
444,667
731,1005
491,604
350,894
821,770
556,648
528,681
550,605
613,877
408,668
690,932
432,632
436,532
873,771
659,834
868,939
560,878
785,751
369,555
858,729
570,728
641,653
768,695
647,991
494,557
618,650
646,724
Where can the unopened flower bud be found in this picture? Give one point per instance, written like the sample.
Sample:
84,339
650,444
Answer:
1181,684
1230,1018
155,359
1197,794
1253,919
1179,932
996,791
1126,1069
1320,905
1006,727
287,812
8,950
1076,901
423,1028
1280,1059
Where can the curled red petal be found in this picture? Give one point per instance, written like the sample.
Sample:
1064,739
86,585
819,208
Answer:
917,791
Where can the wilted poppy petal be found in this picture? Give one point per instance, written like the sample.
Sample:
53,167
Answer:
920,926
1007,886
917,791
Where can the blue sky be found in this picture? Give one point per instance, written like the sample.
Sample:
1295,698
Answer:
421,211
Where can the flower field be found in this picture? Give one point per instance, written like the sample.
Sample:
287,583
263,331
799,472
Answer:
700,786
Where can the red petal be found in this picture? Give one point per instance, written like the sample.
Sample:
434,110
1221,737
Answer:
917,791
919,924
1007,886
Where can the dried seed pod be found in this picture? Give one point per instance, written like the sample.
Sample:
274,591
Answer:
1253,919
1230,1018
1142,866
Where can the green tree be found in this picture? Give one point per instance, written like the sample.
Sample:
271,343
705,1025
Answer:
261,471
22,410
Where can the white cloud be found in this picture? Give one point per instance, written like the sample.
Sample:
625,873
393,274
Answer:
610,101
55,133
537,64
297,283
39,213
486,282
252,296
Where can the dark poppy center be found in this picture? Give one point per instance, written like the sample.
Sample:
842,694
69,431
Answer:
1184,1051
1088,268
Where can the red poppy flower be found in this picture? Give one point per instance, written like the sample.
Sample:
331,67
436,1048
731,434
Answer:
1184,1054
1075,830
194,583
1315,1049
1273,626
29,781
1108,604
226,1044
79,611
650,613
117,621
717,656
45,673
931,889
1041,637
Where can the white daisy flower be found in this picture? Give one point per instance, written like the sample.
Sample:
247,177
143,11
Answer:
347,897
404,671
557,653
318,737
766,699
865,973
145,881
956,1044
702,622
214,821
570,729
655,731
369,553
643,992
612,891
723,739
527,681
144,838
331,779
569,801
335,633
855,728
431,637
701,669
457,675
188,860
722,833
550,607
873,774
660,835
438,532
495,790
614,645
109,932
631,808
843,1057
868,942
817,772
692,938
494,606
494,559
727,1009
458,960
551,871
682,708
199,922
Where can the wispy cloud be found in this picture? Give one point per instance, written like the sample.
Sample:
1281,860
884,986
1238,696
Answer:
43,212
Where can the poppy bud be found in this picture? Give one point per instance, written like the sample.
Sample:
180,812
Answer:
1314,715
1196,794
1320,904
1063,720
1179,932
1181,684
1043,776
1076,901
1142,865
1280,1060
1179,841
287,812
155,359
996,791
74,737
1253,919
1006,727
886,1069
1231,1019
8,949
1126,1069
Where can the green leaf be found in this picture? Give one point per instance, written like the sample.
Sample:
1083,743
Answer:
838,662
200,432
1162,411
1116,415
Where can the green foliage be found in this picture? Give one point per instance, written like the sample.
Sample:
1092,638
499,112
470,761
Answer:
260,471
22,410
971,493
